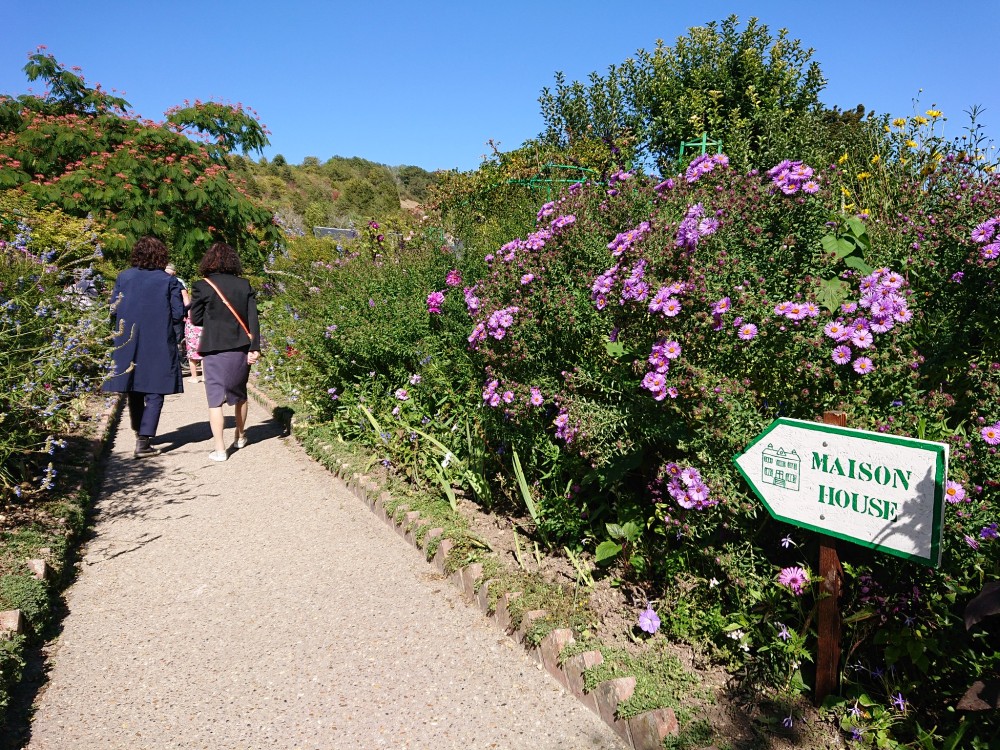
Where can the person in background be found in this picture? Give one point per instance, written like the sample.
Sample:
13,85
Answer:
192,335
179,330
225,306
146,306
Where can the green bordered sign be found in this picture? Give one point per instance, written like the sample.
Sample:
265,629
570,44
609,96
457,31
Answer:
880,491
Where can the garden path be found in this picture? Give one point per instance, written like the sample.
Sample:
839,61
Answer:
256,603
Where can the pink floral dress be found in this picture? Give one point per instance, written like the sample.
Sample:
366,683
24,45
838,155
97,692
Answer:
192,335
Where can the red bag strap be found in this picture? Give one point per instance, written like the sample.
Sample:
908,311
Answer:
231,309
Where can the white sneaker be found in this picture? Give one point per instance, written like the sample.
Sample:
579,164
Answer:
218,456
241,442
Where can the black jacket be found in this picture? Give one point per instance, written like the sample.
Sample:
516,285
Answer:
220,330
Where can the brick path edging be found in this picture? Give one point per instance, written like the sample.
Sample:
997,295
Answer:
645,731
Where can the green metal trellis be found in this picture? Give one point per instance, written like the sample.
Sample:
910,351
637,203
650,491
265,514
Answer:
538,181
703,144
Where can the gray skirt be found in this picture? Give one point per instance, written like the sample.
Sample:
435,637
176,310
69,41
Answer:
226,375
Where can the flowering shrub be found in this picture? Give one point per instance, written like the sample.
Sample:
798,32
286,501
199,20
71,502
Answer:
53,332
640,333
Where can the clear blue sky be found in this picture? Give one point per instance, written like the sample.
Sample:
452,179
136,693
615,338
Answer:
429,83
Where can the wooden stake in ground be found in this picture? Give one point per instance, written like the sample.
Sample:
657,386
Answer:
829,620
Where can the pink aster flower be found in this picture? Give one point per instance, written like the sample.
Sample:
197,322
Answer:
991,434
672,350
454,278
991,251
724,305
862,339
672,307
747,332
794,578
863,365
434,302
954,492
527,278
842,354
536,397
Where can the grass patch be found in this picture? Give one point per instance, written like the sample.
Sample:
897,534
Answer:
661,681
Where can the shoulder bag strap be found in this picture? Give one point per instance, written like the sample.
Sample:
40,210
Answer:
233,311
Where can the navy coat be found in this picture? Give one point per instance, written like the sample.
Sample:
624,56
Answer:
145,305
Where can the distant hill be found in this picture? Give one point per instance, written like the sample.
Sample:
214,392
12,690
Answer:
338,192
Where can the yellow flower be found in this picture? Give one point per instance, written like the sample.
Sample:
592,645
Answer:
886,128
904,162
864,175
864,212
899,122
848,206
920,120
875,159
911,143
844,191
933,113
842,159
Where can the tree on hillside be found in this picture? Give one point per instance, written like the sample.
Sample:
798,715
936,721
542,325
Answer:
79,148
747,88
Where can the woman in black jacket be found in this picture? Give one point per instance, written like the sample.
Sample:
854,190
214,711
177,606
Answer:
225,306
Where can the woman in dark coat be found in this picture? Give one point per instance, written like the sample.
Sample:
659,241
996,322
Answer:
146,305
230,339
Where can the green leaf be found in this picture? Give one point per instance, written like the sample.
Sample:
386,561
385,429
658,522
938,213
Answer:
615,349
856,263
831,293
615,531
606,551
632,531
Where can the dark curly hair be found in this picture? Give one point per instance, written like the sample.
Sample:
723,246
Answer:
220,258
150,253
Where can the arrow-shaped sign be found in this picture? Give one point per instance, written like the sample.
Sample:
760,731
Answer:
880,491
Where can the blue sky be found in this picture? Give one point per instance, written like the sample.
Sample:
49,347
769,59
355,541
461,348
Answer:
429,83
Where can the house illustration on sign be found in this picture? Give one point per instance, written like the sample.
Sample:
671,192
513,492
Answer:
780,467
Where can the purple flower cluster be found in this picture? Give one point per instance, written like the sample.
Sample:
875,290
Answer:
634,287
471,300
687,488
547,209
564,429
791,177
883,297
434,302
454,278
694,226
703,165
496,326
985,234
796,310
665,300
602,286
655,380
619,176
624,240
493,396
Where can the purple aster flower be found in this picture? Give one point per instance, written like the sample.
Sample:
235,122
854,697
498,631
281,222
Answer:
454,278
535,399
402,394
747,332
983,233
862,339
508,397
842,354
672,350
795,578
672,392
991,251
721,307
971,541
649,621
954,492
672,307
527,278
863,365
991,434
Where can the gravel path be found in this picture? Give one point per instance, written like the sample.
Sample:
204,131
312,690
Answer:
257,604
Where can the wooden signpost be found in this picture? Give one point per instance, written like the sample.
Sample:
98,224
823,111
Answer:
880,491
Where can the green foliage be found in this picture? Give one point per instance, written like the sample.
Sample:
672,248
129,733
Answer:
755,91
28,594
80,149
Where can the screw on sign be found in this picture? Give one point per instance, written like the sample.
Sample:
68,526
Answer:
885,492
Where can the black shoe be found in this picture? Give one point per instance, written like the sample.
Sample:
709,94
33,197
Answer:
143,449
